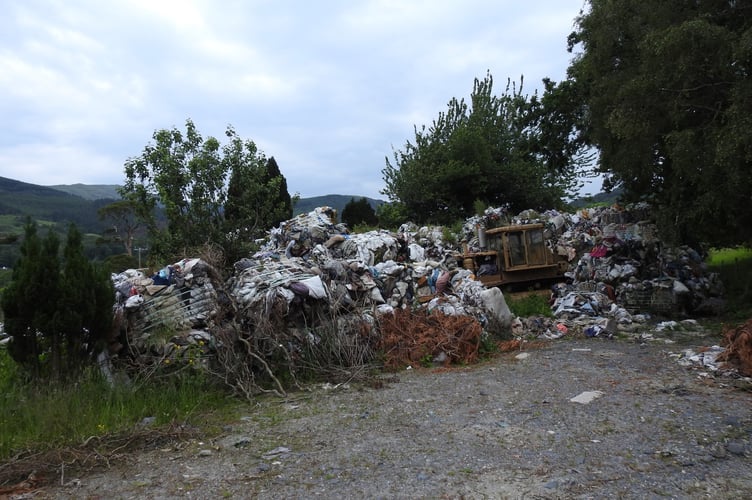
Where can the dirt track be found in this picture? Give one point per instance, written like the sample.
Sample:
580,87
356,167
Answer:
502,429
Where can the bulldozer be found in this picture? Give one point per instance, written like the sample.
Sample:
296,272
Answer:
514,256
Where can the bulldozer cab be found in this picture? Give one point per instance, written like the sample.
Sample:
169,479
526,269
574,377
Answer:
514,254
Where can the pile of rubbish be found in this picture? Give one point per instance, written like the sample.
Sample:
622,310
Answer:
620,274
311,270
181,298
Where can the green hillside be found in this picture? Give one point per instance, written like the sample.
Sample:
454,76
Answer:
54,207
51,209
23,200
90,191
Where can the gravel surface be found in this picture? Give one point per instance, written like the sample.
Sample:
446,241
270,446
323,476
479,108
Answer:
506,428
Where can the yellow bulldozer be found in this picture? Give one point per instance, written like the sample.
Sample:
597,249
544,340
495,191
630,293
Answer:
513,255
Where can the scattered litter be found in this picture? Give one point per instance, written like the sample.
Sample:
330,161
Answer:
586,397
704,358
276,453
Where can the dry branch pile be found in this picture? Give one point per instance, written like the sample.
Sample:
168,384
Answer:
738,344
414,337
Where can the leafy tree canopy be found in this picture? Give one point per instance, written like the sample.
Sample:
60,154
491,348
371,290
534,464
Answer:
511,149
224,195
666,90
359,212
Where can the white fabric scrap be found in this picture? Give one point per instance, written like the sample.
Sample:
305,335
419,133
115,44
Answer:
586,397
315,286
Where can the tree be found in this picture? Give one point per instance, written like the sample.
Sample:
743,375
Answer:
359,212
501,150
225,195
122,214
664,86
184,174
84,306
57,313
20,300
283,201
257,197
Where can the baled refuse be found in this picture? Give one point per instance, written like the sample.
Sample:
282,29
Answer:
181,297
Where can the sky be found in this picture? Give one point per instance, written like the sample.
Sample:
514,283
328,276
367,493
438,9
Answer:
329,88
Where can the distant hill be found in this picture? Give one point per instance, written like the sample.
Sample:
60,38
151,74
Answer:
79,203
50,208
21,199
304,205
597,199
91,191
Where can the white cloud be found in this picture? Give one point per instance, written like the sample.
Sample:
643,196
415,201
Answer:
327,88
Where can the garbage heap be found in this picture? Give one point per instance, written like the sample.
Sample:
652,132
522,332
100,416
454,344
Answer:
157,315
620,273
312,272
311,277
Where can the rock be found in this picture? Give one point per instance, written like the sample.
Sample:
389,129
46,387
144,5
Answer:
736,448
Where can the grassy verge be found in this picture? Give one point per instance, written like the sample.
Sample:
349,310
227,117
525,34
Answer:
734,266
37,418
529,304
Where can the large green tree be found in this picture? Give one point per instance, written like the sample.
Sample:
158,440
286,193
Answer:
84,306
359,212
500,150
20,301
58,313
666,89
224,195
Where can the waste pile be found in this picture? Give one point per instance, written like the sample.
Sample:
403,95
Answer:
620,273
180,298
309,274
312,272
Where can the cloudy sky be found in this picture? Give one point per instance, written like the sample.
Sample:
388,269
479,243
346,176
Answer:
328,88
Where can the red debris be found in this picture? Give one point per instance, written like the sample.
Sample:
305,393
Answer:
738,344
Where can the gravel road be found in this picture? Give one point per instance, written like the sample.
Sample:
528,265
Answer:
505,428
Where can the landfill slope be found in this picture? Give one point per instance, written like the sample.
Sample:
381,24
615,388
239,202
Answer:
572,418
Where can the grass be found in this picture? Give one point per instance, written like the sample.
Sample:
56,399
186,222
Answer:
734,267
721,257
43,417
531,304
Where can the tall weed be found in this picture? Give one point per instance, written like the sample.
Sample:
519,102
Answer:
41,417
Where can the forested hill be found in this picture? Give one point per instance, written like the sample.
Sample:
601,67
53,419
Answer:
304,205
41,203
79,203
91,191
